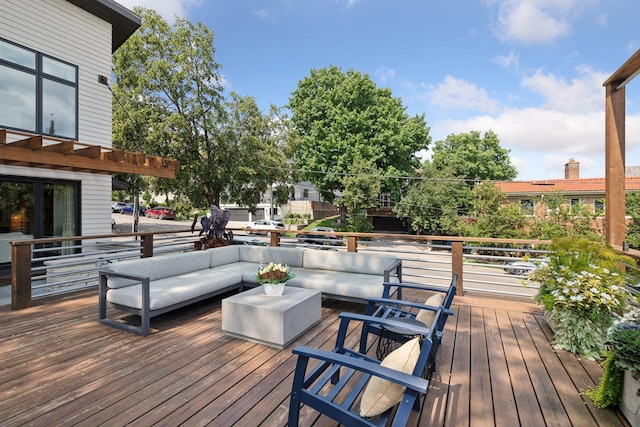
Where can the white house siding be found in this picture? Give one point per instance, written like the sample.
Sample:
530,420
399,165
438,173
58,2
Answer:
66,32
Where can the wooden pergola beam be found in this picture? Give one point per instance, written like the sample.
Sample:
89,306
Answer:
615,140
30,151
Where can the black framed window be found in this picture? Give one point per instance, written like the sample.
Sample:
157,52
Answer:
599,207
527,206
56,201
575,205
38,93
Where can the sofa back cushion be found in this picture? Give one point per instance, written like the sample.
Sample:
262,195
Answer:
223,255
266,254
349,262
159,267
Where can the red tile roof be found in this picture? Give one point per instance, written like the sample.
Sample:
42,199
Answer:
564,186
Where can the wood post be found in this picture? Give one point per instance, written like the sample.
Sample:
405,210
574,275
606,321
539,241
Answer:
615,210
352,244
20,275
456,264
146,246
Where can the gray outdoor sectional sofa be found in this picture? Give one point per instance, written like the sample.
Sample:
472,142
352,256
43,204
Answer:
152,286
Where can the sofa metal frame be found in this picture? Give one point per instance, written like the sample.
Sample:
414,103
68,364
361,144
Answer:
145,313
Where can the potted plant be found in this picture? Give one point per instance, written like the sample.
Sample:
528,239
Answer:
620,383
581,289
273,277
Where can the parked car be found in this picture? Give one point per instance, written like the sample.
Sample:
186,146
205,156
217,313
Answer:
320,239
117,207
160,212
250,241
128,209
263,226
521,268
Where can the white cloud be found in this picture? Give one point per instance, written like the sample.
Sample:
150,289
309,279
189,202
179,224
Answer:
536,21
168,9
633,46
263,14
568,122
384,74
583,94
461,94
511,61
602,19
553,136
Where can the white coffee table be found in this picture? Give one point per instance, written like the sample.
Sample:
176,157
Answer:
271,320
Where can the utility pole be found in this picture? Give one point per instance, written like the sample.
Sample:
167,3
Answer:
271,202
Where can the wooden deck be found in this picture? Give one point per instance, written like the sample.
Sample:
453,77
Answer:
58,366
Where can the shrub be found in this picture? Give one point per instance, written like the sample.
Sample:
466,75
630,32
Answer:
581,288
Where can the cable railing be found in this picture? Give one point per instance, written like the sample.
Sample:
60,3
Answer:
46,267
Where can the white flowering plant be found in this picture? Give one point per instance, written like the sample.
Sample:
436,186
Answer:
624,341
581,289
596,288
274,273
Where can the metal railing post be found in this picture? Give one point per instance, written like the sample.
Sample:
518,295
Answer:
20,275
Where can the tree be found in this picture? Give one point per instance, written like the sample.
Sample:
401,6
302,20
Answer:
171,104
556,219
359,186
339,116
474,158
493,216
632,202
436,204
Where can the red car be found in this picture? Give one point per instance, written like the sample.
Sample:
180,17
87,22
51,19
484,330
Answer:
160,212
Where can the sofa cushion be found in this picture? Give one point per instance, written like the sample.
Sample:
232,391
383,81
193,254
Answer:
340,283
159,267
223,255
249,272
173,290
347,261
266,254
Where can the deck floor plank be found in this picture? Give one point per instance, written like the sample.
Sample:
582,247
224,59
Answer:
59,366
481,402
529,412
506,411
544,389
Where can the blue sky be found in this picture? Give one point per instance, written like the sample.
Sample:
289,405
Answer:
529,70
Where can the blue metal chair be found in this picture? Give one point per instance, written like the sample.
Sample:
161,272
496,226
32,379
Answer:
334,385
405,312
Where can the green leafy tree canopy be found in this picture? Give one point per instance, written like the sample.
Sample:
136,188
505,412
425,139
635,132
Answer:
436,204
338,116
474,157
170,103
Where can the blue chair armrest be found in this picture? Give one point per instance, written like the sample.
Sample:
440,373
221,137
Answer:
412,382
395,302
407,285
414,329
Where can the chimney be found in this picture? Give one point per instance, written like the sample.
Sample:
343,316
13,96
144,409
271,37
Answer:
572,169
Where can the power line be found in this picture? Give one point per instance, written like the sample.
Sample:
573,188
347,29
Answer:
406,177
